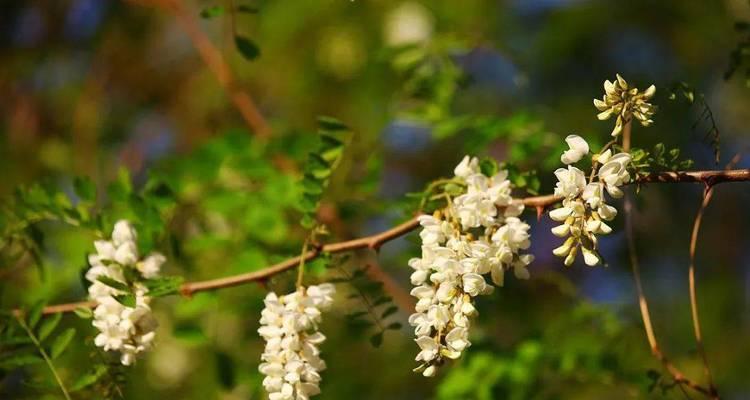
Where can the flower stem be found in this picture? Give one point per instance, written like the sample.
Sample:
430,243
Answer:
301,268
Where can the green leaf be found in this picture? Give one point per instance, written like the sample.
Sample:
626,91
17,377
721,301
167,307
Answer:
164,286
85,188
48,326
389,311
382,300
128,300
377,339
211,12
394,326
35,314
249,50
356,314
19,360
61,343
114,284
89,378
331,124
488,166
84,312
658,150
319,167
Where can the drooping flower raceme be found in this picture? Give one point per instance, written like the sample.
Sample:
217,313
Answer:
624,102
291,360
584,212
478,233
116,276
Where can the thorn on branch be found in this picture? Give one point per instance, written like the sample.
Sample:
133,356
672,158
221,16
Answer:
539,212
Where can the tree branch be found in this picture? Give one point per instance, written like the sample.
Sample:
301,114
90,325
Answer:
375,241
698,176
213,59
707,195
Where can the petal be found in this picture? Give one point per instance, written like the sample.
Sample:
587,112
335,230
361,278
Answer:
577,143
561,230
560,214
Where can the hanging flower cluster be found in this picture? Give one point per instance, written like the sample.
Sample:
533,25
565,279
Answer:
289,325
478,233
116,273
584,213
625,102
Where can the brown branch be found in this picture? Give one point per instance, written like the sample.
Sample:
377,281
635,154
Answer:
215,62
707,196
375,241
668,177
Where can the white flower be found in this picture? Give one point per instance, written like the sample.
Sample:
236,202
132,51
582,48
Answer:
432,232
128,330
429,348
467,167
578,149
151,265
584,210
614,173
477,234
623,102
123,232
571,182
291,359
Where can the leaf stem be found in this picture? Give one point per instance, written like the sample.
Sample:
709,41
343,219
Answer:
46,357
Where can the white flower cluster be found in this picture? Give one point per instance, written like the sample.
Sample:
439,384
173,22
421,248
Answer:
129,330
625,102
289,325
584,211
478,233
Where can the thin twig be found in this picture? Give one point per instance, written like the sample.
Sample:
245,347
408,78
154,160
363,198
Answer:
677,375
301,268
707,196
215,62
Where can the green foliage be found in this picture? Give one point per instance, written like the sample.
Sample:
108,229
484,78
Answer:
320,164
584,343
658,159
163,286
375,305
739,56
249,50
26,338
212,12
432,86
682,90
431,80
527,180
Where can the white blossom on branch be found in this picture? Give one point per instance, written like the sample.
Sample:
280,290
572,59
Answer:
128,329
291,360
624,102
478,233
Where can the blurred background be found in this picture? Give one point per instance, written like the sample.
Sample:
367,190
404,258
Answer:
218,101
